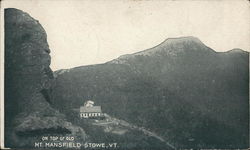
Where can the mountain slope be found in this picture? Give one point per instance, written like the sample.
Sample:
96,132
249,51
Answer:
180,89
124,134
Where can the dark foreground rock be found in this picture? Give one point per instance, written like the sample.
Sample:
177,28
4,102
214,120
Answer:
28,80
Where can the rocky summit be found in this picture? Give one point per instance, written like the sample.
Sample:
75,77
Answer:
28,80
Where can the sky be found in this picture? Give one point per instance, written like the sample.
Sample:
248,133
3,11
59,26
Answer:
84,32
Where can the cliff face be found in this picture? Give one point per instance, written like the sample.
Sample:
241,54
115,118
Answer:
180,89
28,80
27,62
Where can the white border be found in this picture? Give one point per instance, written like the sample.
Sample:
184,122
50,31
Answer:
2,75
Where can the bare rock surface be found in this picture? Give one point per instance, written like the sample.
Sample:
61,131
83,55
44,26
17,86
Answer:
28,80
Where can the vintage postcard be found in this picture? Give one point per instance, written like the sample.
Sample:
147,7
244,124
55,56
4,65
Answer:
125,74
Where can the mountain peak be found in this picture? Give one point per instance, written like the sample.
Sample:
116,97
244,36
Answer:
175,45
237,50
180,40
169,47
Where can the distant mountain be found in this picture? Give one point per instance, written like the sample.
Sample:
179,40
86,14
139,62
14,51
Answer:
180,89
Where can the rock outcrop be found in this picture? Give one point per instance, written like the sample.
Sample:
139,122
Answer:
28,80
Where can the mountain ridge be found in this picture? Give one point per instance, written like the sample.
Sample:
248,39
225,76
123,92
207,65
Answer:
165,43
197,94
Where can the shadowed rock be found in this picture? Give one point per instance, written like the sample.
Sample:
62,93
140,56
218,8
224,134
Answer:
28,80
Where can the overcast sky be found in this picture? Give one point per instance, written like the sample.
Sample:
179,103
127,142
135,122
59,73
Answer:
90,32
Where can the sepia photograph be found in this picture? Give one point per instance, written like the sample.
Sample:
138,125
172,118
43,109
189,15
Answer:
125,74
